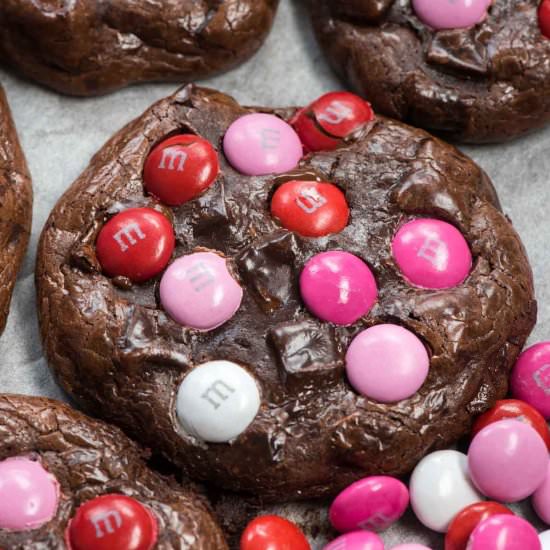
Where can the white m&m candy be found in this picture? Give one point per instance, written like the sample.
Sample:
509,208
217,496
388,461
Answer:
217,401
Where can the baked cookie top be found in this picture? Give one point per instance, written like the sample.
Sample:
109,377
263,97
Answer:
292,322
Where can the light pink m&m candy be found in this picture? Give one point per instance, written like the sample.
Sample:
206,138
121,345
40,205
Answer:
338,287
451,14
508,460
432,254
504,532
358,540
387,363
541,498
260,144
28,494
198,291
530,379
371,503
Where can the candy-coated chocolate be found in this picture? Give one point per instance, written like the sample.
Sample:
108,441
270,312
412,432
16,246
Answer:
530,380
112,522
440,488
338,287
544,18
217,401
273,533
432,254
136,243
387,363
180,168
508,460
451,14
373,503
330,119
260,144
504,532
544,539
29,494
411,547
541,498
199,292
467,520
310,208
514,408
358,540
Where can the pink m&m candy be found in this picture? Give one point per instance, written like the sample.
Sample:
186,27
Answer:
260,144
451,14
508,460
432,254
504,532
371,503
387,363
358,540
530,379
338,287
28,494
541,498
411,547
198,291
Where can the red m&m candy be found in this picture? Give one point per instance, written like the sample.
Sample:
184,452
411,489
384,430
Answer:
466,521
180,168
112,522
544,17
328,121
136,243
514,409
273,533
311,208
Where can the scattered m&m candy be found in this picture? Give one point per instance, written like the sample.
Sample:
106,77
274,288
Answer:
373,503
541,498
110,522
451,14
432,254
199,292
273,533
440,488
358,540
338,287
544,18
217,401
530,380
310,208
504,532
29,495
180,169
516,409
387,363
467,520
329,120
508,460
259,144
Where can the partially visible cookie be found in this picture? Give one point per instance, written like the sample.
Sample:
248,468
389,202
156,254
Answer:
89,47
69,481
15,207
474,71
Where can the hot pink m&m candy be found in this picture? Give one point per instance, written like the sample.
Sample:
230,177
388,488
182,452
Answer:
504,532
541,498
358,540
198,291
387,363
371,503
530,380
432,254
260,144
338,287
508,460
28,494
451,14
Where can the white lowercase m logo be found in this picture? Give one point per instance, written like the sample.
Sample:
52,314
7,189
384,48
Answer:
434,251
542,378
270,138
173,155
335,113
310,200
128,232
106,522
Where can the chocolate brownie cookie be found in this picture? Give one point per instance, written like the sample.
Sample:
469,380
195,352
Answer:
277,324
474,71
66,478
89,47
15,207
